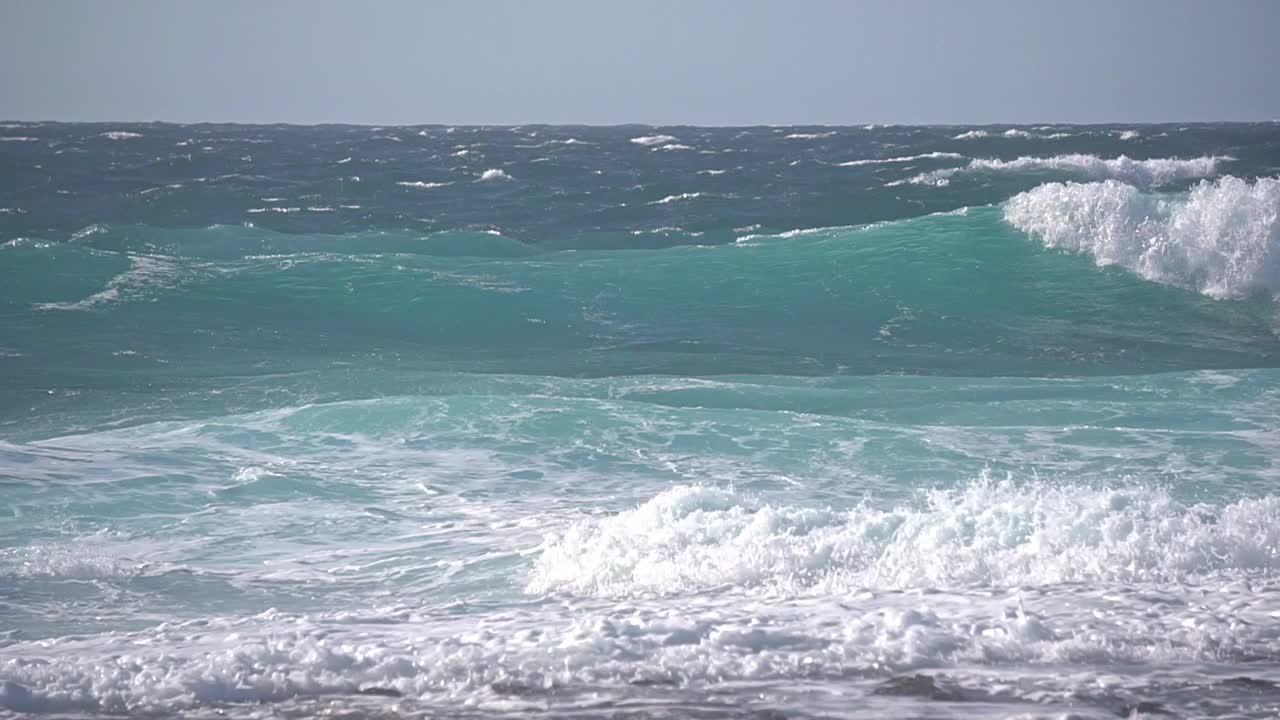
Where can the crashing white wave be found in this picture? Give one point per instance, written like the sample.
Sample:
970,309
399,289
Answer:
903,159
673,146
654,139
120,135
17,138
972,135
423,184
1129,135
988,534
1222,238
494,174
1153,172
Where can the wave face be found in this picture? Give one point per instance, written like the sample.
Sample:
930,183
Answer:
864,422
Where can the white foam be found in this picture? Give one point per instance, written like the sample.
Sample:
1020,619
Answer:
1129,135
903,159
494,174
673,146
712,172
1222,238
145,273
1153,172
17,138
735,645
654,140
120,135
987,534
809,136
972,135
423,184
283,210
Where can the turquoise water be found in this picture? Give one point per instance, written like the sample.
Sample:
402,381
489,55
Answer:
657,422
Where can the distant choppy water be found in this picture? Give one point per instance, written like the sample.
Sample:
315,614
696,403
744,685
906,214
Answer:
666,422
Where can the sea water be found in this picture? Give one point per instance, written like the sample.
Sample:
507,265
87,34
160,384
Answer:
937,422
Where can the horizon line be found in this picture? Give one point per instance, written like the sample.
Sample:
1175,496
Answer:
637,124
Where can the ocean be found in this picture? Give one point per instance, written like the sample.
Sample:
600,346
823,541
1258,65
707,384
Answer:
644,422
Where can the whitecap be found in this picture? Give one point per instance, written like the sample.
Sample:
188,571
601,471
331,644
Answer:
675,198
422,184
809,136
654,140
903,159
1153,172
494,174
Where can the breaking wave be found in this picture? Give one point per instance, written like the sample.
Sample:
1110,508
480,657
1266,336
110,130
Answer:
1222,238
995,534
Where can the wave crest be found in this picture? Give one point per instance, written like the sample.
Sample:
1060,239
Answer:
1222,238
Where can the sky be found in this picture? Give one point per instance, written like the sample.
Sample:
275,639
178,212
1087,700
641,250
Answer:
704,62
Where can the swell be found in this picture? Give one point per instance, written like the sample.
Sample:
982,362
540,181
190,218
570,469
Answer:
941,294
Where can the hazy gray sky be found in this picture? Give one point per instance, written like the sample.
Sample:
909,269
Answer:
710,62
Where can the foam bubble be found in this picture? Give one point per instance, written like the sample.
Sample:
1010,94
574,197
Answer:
1222,238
